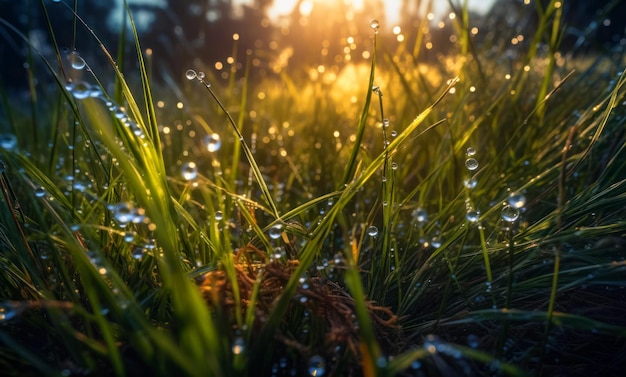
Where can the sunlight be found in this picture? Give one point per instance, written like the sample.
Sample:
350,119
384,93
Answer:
284,8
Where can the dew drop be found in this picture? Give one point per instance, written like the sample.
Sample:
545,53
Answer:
9,311
79,89
420,215
190,74
473,341
275,231
471,164
129,236
316,366
510,213
8,141
436,242
239,345
138,253
40,192
375,25
472,216
394,166
124,213
376,90
189,171
372,231
516,200
213,142
76,61
470,152
470,183
219,216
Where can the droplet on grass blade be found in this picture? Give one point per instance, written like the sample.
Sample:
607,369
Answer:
470,183
472,216
79,89
375,25
8,141
40,192
219,216
213,142
239,345
275,231
473,341
189,171
420,215
316,366
470,152
471,164
516,200
510,213
191,74
76,61
372,231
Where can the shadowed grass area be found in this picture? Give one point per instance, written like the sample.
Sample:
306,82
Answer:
462,216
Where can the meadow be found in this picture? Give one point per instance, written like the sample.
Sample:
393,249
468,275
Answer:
391,216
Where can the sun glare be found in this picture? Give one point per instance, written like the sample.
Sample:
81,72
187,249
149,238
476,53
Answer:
281,8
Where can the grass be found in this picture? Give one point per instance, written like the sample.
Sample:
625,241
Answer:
461,217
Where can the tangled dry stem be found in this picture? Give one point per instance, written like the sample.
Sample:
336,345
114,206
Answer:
325,300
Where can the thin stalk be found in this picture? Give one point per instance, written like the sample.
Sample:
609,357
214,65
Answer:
254,167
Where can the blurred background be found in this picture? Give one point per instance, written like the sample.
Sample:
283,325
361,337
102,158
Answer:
286,35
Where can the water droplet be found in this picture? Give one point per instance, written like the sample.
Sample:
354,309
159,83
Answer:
372,231
201,75
8,141
138,253
473,341
10,310
219,216
79,89
189,170
420,215
472,215
436,242
375,25
239,345
432,343
129,236
394,166
517,200
213,142
275,231
376,90
190,74
510,213
40,192
470,183
124,213
471,164
470,152
76,61
316,366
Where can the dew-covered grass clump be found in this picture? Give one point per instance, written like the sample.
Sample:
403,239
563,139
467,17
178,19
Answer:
345,198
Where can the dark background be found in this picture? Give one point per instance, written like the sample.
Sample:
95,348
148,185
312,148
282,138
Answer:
181,36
